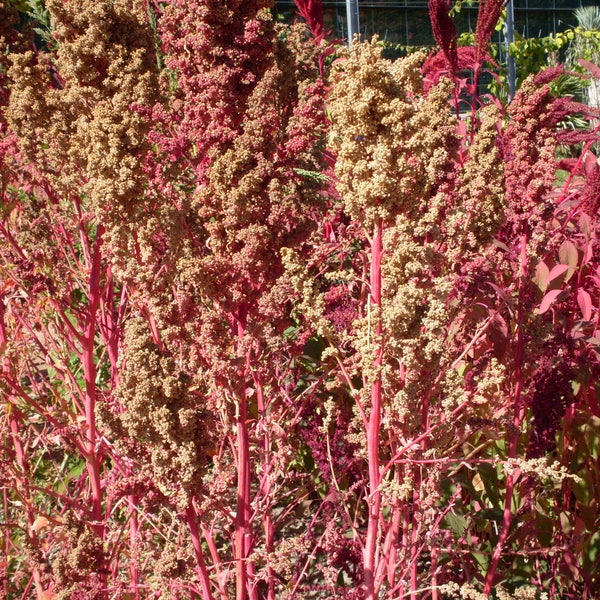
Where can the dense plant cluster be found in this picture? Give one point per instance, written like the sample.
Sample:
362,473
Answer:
284,320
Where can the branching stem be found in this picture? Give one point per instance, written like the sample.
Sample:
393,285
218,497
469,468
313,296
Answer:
374,421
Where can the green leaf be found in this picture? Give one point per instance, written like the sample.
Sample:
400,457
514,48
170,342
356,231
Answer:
456,523
489,477
544,529
490,514
313,175
593,549
482,560
584,487
566,522
593,437
466,483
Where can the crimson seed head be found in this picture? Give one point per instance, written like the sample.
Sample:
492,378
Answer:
444,32
551,393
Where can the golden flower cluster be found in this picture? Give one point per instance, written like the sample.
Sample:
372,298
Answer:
480,209
392,143
161,415
73,114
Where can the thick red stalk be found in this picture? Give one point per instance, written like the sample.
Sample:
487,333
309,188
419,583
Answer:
110,322
14,427
216,561
265,488
201,570
405,509
134,530
512,477
7,544
387,568
374,500
242,517
414,554
89,372
434,578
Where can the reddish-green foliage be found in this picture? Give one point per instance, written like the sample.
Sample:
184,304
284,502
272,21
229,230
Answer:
274,325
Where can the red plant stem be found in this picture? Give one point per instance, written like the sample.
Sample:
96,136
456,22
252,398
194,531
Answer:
419,549
396,459
26,591
216,561
568,450
242,517
89,373
576,168
374,423
109,327
309,558
15,426
3,572
512,477
268,526
414,553
243,493
18,392
269,547
433,570
405,545
134,525
386,569
92,453
475,102
201,570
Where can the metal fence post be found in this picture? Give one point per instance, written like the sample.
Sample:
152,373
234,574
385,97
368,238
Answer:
353,20
509,33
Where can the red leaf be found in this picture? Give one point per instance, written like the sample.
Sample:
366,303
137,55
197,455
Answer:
585,304
588,253
498,334
568,254
541,275
548,301
556,271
